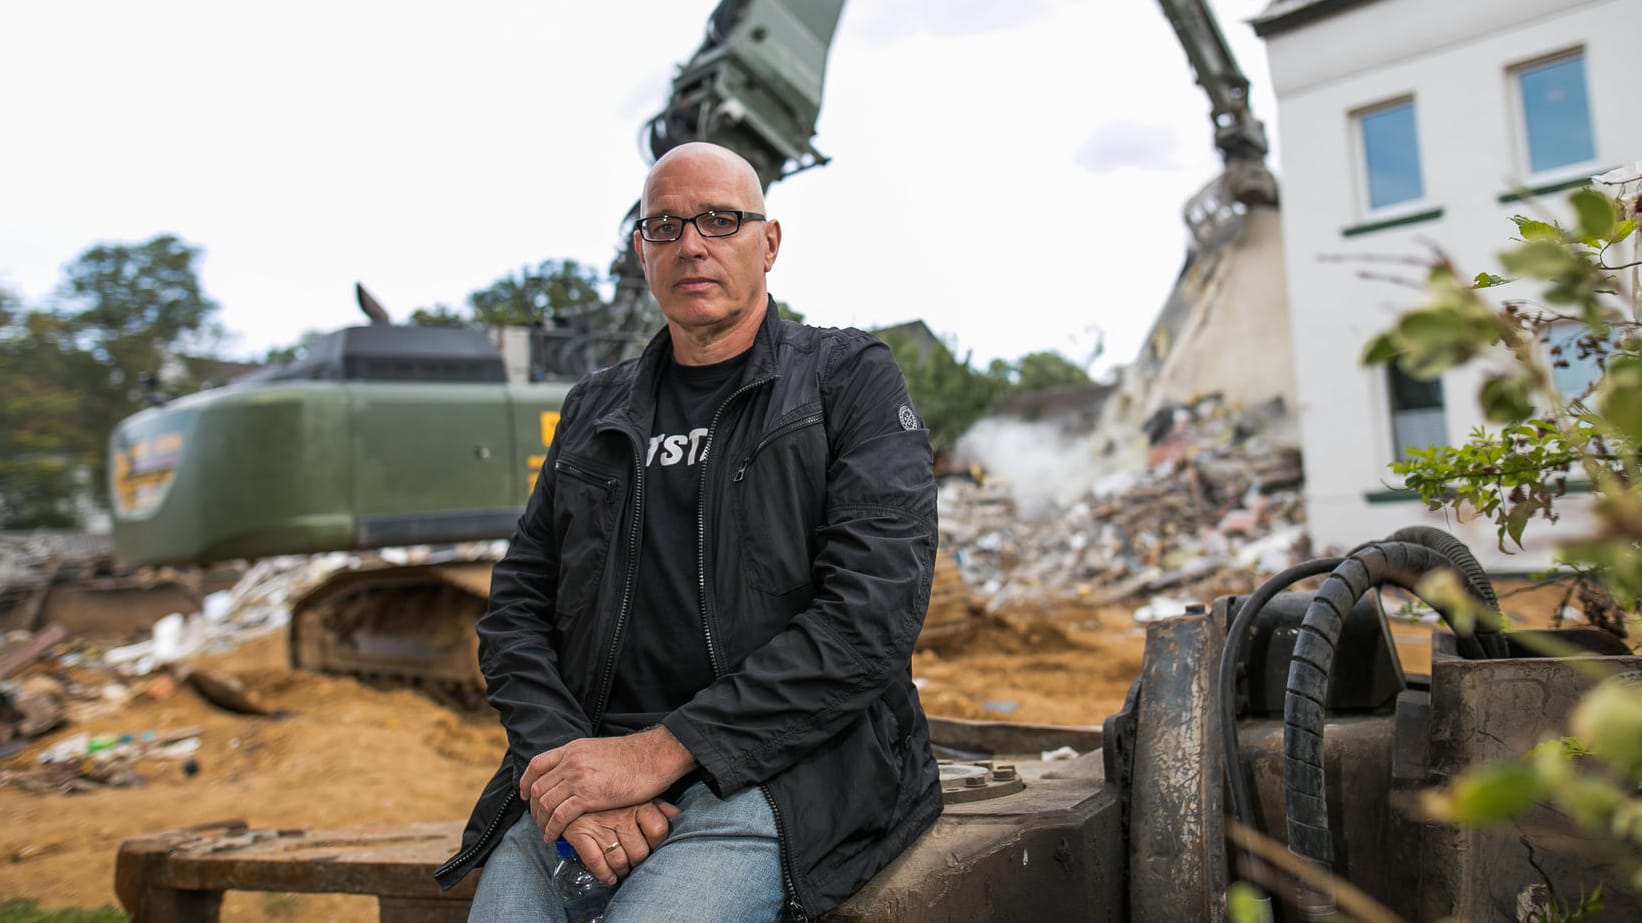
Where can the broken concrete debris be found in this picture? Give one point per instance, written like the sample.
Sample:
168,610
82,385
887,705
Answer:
1217,506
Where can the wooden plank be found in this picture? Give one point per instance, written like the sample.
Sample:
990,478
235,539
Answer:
394,861
140,880
421,910
31,650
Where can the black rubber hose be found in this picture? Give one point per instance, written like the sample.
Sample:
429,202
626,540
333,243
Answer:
1304,783
1232,654
1490,636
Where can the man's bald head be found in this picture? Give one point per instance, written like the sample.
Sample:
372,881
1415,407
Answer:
714,158
711,288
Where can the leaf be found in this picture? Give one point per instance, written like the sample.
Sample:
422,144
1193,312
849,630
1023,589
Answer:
1540,258
1517,520
1488,280
1623,230
1494,793
1595,211
1619,398
1506,399
1609,720
1536,230
1382,348
1245,905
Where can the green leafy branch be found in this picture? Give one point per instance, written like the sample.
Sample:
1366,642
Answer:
1542,438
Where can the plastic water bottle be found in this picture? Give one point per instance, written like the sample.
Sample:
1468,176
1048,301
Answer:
583,895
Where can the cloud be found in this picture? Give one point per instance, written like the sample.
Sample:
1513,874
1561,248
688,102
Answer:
1121,145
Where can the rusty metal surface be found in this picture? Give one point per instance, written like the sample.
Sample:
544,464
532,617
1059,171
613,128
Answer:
1177,862
1375,842
1000,737
1052,851
1492,709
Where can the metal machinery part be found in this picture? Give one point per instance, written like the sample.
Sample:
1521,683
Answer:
964,783
1216,212
410,626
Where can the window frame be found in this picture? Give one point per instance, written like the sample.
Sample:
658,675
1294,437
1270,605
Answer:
1399,451
1523,152
1366,210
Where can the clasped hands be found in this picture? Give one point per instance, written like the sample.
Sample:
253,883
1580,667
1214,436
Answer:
600,795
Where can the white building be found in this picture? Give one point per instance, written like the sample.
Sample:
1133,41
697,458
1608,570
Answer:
1410,122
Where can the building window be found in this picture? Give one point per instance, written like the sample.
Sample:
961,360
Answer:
1391,155
1417,420
1556,113
1574,368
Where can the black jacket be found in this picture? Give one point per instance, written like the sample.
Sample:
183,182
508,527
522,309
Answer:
816,544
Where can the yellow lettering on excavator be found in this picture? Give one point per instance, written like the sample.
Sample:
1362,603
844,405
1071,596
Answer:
550,423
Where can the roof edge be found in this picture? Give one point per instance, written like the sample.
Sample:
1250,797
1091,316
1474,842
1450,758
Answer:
1287,15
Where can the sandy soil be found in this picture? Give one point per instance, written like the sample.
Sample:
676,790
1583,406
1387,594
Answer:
343,754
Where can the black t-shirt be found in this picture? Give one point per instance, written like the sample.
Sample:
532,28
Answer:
664,660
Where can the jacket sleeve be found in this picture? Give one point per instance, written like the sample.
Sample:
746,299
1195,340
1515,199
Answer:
516,651
874,563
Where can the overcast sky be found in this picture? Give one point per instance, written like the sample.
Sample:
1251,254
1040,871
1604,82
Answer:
427,149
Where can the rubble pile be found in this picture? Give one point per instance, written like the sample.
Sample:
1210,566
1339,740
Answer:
52,679
30,561
1218,506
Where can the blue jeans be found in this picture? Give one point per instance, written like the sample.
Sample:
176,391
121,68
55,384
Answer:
721,861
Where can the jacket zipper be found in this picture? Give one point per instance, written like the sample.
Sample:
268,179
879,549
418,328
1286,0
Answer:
701,525
490,829
635,542
582,474
741,471
793,904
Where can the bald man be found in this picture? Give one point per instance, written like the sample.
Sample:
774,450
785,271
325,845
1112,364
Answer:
699,641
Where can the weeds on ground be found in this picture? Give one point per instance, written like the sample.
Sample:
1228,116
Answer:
28,911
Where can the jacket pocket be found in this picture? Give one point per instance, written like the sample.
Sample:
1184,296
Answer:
584,520
777,494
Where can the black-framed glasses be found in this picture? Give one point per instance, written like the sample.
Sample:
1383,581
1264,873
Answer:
663,229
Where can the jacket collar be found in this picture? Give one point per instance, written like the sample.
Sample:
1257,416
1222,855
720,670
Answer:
636,411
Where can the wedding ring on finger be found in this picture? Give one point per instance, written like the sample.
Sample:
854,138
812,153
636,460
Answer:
612,847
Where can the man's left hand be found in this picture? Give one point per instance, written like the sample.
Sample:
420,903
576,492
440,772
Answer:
600,773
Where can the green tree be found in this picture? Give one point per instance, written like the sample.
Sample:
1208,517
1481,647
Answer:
130,308
440,315
533,295
1037,371
293,351
44,448
949,394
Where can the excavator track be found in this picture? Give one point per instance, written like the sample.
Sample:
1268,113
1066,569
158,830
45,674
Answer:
397,625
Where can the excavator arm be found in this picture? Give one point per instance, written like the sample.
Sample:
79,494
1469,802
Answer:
1245,181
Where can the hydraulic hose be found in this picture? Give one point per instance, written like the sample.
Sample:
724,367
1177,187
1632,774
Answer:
1490,636
1236,646
1304,783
